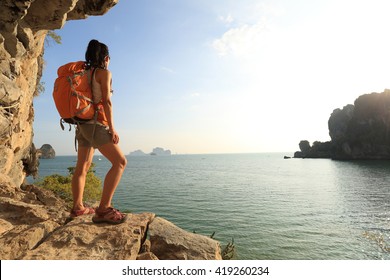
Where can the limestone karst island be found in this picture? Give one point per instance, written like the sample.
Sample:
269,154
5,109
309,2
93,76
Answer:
357,131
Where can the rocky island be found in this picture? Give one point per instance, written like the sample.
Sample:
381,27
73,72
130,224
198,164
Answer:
357,131
46,152
156,152
34,223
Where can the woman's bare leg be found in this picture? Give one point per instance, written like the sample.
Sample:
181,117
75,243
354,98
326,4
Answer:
114,154
84,160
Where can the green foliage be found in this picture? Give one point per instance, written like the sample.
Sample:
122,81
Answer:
52,36
62,185
229,251
40,89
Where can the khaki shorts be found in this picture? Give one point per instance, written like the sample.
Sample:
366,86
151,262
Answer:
84,135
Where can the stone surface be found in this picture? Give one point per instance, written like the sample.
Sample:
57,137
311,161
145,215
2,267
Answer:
169,242
81,239
35,224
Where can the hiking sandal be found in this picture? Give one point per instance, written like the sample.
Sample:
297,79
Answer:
110,216
85,211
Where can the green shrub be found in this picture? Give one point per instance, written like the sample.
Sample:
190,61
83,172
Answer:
62,185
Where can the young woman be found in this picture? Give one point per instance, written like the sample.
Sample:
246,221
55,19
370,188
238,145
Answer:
99,135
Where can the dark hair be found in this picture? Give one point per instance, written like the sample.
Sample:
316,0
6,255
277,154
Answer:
95,54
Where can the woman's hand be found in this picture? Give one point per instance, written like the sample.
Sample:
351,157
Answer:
115,136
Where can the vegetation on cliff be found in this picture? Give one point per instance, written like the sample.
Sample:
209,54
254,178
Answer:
62,185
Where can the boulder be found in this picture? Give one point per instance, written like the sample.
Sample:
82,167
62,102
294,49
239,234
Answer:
81,239
169,242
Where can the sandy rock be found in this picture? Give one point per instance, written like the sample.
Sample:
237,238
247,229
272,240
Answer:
169,242
35,224
43,196
147,256
5,226
81,239
20,239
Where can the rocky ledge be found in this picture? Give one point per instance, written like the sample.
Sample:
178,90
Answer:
35,225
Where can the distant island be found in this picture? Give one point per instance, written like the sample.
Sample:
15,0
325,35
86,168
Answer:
358,131
156,152
46,152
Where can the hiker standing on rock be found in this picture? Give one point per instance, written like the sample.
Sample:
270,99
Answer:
98,134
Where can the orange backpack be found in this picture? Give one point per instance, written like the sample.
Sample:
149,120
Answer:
72,93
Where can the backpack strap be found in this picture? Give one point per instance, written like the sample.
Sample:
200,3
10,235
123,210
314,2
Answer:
91,75
62,121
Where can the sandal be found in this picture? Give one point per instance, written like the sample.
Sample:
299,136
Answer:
111,216
85,211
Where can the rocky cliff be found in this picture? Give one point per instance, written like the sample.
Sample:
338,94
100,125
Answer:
23,27
358,131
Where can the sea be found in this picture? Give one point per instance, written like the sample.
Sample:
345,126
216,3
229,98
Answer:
271,208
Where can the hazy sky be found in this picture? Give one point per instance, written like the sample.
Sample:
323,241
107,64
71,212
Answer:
226,76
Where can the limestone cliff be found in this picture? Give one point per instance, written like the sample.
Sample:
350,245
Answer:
23,27
358,131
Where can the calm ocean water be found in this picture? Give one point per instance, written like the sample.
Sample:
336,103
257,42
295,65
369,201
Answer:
273,208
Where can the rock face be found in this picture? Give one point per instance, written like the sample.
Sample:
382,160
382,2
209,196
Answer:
80,239
169,242
359,131
35,224
23,27
46,152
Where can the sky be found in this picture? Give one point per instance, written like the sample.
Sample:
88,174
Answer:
225,76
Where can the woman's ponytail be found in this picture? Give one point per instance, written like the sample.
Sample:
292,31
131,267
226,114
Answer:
96,54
